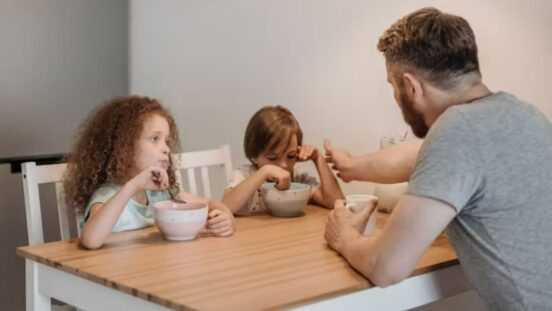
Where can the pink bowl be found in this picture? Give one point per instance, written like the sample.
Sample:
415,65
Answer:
180,221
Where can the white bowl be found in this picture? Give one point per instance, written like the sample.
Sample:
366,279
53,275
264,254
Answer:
285,203
180,221
388,195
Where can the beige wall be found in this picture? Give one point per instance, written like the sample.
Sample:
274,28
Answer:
216,62
58,59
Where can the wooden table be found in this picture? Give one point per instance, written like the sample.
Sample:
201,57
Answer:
270,263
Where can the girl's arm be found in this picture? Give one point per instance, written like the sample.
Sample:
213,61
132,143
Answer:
102,217
238,196
329,190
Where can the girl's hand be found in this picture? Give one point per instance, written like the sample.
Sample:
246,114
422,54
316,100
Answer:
220,221
152,178
276,174
307,152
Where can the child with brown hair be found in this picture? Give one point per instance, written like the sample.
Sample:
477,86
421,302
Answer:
120,165
273,143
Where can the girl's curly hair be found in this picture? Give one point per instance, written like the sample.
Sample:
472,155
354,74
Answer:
104,147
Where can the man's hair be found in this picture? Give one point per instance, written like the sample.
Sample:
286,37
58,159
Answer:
439,46
269,128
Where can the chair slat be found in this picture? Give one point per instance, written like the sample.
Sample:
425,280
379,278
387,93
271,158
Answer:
49,173
205,182
63,213
192,180
32,203
203,159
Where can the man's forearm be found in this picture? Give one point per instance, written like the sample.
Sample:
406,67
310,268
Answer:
360,254
366,256
392,165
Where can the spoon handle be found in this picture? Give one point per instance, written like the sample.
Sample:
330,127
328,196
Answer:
173,192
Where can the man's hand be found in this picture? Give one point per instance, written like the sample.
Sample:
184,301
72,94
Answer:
345,226
341,161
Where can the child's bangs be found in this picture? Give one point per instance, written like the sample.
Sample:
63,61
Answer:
281,137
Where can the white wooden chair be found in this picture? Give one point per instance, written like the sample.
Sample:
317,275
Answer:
33,176
202,160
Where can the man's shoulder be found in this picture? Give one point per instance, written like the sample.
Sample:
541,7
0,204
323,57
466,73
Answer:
495,104
481,113
452,122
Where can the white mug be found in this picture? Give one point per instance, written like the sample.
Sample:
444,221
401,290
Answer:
357,202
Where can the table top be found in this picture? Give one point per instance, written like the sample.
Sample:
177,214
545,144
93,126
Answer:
268,263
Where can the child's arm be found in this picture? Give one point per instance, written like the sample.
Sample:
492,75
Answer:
238,196
329,190
102,217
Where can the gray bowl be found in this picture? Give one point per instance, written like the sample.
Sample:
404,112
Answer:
285,203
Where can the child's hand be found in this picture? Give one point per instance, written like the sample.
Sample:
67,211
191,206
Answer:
276,174
152,178
307,152
221,220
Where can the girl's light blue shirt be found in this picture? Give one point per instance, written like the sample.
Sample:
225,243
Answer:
135,215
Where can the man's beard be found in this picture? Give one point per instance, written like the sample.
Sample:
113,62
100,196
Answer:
412,116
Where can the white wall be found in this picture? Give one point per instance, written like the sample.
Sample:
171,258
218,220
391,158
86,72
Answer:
216,62
58,58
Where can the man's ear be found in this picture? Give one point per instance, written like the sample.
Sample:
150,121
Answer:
413,86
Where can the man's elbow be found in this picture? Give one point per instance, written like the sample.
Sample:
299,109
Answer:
385,281
387,276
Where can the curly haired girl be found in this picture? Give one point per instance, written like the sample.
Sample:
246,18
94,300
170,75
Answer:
120,146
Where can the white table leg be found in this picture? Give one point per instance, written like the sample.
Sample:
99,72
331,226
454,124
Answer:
79,292
35,300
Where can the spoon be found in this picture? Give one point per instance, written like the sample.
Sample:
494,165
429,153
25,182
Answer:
173,191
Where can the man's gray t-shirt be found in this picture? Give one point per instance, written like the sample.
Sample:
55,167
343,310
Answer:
491,160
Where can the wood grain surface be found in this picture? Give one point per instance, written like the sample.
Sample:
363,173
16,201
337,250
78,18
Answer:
269,263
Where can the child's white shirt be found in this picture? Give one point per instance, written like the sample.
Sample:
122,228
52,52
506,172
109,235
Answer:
255,204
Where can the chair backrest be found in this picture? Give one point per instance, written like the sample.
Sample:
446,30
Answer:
33,176
190,161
